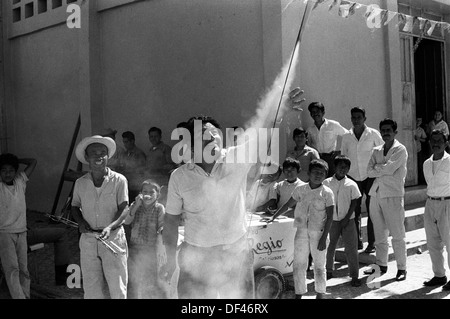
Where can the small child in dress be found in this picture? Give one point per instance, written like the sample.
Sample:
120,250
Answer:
146,218
346,194
314,205
262,196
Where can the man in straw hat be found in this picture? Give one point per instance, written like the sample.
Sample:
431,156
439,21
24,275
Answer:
99,206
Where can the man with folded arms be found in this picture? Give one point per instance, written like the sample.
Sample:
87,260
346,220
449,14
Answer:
388,166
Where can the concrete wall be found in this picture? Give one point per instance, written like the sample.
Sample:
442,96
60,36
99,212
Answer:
163,62
156,63
342,65
44,106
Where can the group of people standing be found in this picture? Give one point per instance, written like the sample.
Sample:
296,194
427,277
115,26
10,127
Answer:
330,166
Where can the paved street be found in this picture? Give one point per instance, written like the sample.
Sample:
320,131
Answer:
419,270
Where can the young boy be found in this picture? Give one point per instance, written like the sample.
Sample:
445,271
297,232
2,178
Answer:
314,205
262,196
284,189
146,218
302,152
346,194
13,224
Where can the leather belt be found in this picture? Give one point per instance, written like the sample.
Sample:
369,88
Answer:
439,198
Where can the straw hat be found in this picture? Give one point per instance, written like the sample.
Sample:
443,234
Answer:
81,147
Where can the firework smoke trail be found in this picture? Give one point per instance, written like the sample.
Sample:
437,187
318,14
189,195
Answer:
267,106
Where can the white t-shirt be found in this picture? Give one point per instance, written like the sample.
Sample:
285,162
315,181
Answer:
13,209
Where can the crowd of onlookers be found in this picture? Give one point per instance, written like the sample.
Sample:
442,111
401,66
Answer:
320,183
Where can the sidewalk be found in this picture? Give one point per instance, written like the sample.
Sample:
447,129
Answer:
419,270
418,267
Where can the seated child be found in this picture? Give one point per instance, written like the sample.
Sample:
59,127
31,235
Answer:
284,189
346,194
314,205
146,218
13,224
261,195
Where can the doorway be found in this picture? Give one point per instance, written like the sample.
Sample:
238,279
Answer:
429,80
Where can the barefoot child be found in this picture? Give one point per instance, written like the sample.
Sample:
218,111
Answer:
146,218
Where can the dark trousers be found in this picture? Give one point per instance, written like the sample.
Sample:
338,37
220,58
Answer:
364,188
348,234
329,158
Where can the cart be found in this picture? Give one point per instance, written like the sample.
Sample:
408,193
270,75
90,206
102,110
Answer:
273,249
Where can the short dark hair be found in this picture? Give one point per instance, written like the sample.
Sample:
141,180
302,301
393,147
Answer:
438,132
9,159
358,109
319,105
129,135
342,158
388,121
298,131
204,119
155,129
291,162
318,163
152,183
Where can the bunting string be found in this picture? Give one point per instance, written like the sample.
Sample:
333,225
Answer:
377,17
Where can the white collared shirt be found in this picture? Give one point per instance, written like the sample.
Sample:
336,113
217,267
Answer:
99,209
438,182
359,151
389,171
310,211
214,204
325,139
344,190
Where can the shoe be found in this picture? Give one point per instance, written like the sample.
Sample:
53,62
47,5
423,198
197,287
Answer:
383,270
355,282
436,281
369,249
446,287
319,296
298,296
329,275
401,275
360,245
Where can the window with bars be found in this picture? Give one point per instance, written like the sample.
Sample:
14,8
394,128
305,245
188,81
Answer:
30,15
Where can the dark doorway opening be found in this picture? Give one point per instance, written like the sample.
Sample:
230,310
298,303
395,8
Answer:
429,80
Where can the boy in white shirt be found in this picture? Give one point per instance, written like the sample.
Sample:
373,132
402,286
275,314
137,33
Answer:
346,194
284,189
13,224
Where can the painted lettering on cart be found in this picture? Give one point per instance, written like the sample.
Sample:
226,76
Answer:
268,247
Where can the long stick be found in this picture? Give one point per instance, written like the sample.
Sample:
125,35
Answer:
306,12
